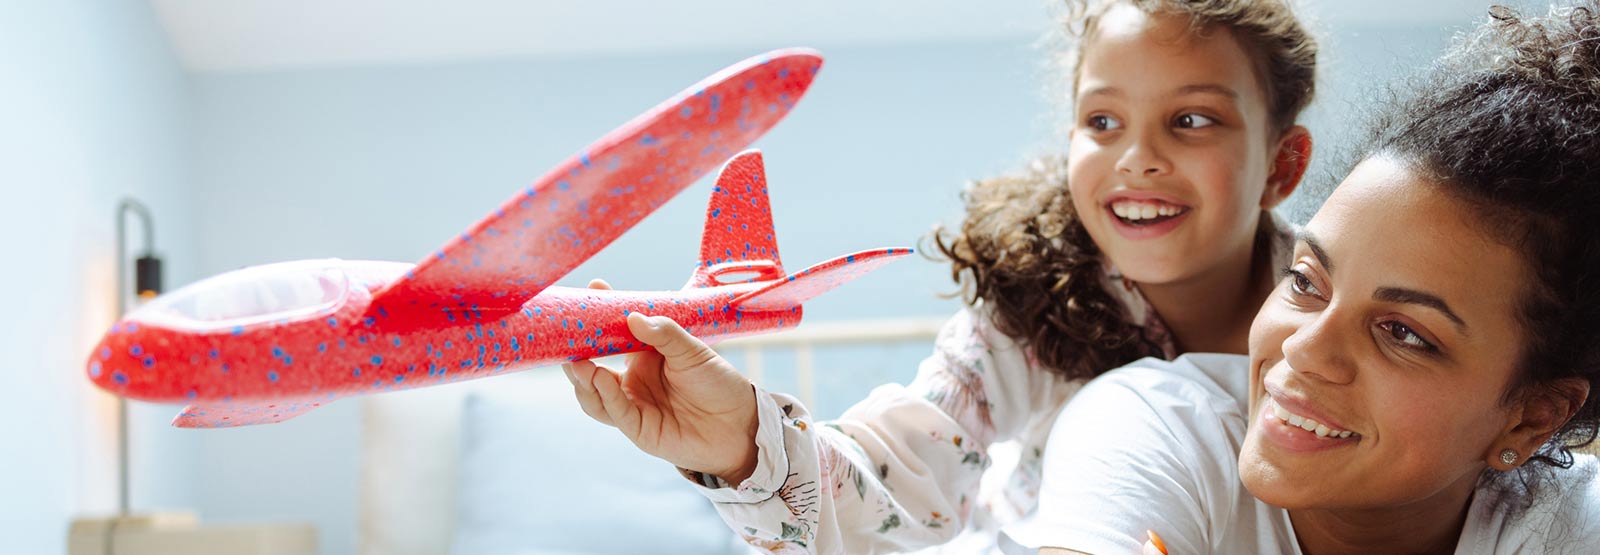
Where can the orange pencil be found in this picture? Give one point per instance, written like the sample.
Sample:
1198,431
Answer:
1156,541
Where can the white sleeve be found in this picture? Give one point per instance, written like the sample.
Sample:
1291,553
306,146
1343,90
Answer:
900,470
1137,449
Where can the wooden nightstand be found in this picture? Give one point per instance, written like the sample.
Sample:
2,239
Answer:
182,534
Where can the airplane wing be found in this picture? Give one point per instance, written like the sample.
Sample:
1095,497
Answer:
586,202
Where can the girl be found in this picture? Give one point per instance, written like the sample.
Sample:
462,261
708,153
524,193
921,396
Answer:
1419,380
1184,138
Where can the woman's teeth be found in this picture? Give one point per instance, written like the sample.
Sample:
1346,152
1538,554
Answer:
1306,424
1136,210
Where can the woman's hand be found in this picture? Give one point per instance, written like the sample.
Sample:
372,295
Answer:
681,401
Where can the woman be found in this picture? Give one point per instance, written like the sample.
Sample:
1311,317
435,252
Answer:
1431,357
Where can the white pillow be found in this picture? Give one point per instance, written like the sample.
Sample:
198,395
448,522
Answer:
538,476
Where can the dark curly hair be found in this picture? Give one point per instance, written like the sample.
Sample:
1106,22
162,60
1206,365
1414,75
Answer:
1509,121
1025,254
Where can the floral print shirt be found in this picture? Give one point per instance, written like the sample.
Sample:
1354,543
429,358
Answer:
900,471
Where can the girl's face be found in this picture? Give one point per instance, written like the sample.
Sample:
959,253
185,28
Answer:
1171,150
1395,331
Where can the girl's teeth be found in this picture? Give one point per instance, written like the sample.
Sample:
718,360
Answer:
1136,211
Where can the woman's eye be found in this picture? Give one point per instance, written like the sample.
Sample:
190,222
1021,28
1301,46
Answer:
1104,123
1300,284
1406,336
1194,121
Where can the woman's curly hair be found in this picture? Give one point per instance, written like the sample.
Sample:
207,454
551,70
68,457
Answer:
1025,254
1509,121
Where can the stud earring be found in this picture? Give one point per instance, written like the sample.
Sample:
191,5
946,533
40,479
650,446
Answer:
1509,456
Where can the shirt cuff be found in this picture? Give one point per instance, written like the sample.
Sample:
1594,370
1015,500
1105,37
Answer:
772,461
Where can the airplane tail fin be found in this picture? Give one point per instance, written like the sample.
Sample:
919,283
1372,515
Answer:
738,243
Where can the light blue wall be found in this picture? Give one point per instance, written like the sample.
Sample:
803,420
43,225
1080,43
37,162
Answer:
388,163
94,107
385,163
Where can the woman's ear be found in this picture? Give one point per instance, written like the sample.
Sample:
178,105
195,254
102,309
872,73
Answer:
1542,412
1289,164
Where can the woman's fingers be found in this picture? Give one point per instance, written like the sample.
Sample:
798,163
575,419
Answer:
598,283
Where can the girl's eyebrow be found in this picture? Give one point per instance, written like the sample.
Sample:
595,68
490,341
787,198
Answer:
1103,91
1211,88
1200,88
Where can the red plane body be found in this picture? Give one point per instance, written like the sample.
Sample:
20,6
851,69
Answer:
267,343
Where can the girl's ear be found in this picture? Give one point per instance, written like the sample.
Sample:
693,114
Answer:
1288,166
1542,412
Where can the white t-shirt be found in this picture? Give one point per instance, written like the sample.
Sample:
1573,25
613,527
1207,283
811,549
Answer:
1155,445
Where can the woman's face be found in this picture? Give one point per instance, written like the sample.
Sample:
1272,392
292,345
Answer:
1171,149
1396,331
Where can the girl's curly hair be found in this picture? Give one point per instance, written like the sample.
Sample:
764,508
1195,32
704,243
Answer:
1025,254
1509,121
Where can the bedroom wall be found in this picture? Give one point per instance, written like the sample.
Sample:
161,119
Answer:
386,162
95,107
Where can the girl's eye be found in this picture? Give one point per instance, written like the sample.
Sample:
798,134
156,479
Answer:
1100,122
1406,336
1194,121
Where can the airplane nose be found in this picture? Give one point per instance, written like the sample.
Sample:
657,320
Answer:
118,353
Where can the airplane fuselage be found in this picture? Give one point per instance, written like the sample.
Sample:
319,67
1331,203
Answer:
340,351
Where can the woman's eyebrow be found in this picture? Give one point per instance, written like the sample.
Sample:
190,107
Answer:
1412,296
1386,294
1305,236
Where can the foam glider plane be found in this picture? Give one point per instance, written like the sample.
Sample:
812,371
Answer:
267,343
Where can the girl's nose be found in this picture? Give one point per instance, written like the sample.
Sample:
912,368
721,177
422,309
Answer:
1143,159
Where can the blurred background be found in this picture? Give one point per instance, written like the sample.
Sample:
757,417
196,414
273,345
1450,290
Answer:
260,131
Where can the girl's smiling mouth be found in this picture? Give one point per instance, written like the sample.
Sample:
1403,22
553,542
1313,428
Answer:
1145,215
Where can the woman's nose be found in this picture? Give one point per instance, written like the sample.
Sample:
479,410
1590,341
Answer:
1320,347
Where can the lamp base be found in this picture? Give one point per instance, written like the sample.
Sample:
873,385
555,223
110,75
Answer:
180,533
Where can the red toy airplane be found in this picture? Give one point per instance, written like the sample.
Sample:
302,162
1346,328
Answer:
267,343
